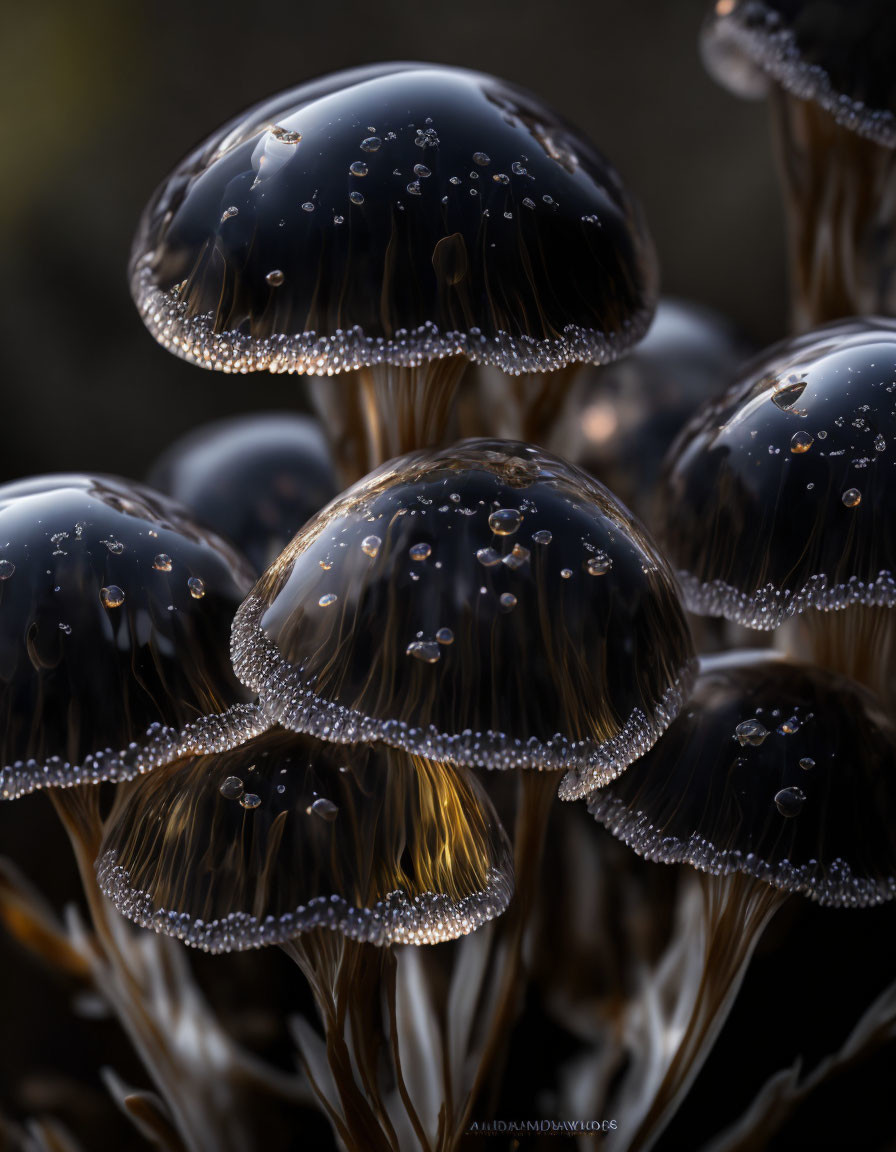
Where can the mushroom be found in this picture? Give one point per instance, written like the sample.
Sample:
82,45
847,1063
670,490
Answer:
253,479
627,414
487,603
778,779
287,834
826,66
394,222
116,611
780,499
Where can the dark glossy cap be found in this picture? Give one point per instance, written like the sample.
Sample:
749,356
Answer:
115,612
778,770
487,603
287,834
394,214
631,411
782,495
254,479
838,53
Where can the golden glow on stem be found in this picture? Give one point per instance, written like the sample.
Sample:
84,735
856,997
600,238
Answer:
858,642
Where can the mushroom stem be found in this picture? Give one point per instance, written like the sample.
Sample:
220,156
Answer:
533,407
858,642
731,917
840,200
384,411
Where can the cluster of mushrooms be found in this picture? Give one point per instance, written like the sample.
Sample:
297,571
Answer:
339,723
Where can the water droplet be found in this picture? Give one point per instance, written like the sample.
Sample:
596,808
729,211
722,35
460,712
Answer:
566,573
422,171
414,188
420,551
6,569
112,597
481,159
232,788
599,564
325,564
790,801
425,650
445,636
591,219
371,144
324,808
229,213
800,442
507,600
197,587
356,197
501,178
308,206
358,168
880,443
852,497
786,394
528,202
807,763
789,726
338,219
370,546
542,536
115,546
750,732
162,563
284,135
505,521
548,199
275,278
516,558
249,800
488,557
66,628
327,599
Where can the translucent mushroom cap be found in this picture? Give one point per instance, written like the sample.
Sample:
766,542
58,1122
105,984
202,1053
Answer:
115,611
287,833
253,479
394,214
781,496
837,53
487,603
778,770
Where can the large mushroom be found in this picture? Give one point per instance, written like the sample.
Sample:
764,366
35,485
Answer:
394,222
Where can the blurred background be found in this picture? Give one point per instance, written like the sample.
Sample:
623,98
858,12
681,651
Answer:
98,101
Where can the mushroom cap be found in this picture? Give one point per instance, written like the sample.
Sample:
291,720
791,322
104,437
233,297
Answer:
782,771
781,496
837,53
287,833
394,214
486,603
631,411
253,479
115,612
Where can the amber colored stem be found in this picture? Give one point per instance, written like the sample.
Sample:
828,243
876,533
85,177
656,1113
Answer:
535,793
377,413
858,642
735,912
840,201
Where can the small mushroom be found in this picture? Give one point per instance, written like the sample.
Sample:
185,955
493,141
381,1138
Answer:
286,834
778,770
781,498
253,479
626,415
827,69
115,610
395,222
488,604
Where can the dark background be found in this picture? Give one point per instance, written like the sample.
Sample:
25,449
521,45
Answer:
98,100
101,98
